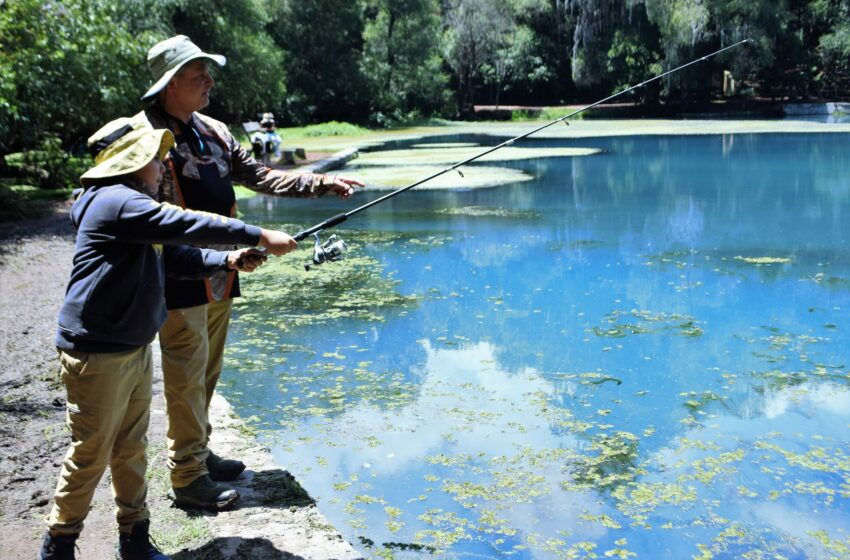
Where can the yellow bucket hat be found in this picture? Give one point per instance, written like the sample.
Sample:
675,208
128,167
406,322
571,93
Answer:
124,146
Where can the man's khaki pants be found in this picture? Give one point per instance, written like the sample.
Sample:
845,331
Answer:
192,342
108,411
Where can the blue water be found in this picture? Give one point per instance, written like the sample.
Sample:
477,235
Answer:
641,352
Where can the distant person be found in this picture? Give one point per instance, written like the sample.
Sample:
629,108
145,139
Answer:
114,305
202,168
266,142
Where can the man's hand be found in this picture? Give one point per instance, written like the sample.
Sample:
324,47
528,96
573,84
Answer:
277,242
342,186
245,260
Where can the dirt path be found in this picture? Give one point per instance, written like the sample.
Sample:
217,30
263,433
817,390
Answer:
275,519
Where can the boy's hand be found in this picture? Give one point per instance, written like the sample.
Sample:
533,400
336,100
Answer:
276,242
245,260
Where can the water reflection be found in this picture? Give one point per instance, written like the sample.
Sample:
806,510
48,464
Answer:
641,352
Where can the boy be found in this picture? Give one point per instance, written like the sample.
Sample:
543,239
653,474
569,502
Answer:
114,305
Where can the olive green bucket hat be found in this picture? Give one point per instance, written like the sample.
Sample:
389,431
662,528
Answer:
167,57
124,146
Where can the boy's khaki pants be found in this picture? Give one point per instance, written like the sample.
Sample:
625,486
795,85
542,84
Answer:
192,342
108,411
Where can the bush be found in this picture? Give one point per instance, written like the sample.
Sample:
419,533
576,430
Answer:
49,166
334,128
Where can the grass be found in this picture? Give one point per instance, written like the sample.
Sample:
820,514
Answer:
172,528
545,114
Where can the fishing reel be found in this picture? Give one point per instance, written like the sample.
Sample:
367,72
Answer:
332,250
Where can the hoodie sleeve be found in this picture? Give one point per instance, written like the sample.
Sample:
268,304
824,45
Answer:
187,263
140,219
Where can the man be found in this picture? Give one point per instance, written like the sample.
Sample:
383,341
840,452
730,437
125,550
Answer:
202,167
266,142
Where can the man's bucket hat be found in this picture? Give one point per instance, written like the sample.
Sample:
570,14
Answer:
124,146
167,57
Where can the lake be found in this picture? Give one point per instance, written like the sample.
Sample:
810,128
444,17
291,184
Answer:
638,353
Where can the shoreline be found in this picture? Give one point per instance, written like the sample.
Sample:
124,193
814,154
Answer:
581,128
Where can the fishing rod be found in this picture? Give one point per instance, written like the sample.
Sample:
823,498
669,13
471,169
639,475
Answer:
334,248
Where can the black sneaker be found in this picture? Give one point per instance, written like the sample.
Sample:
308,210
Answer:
58,547
137,545
203,493
224,469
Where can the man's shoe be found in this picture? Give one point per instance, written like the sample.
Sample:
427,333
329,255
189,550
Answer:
203,493
137,545
224,469
58,547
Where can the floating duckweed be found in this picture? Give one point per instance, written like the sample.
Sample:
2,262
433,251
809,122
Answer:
448,156
619,553
764,260
366,499
483,211
478,176
602,519
647,322
593,378
841,549
613,465
433,145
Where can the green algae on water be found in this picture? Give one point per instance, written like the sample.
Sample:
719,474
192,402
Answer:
624,323
449,156
393,177
483,211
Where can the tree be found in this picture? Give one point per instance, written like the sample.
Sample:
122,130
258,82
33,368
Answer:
401,61
542,73
828,22
632,59
517,62
323,42
594,23
683,27
476,31
253,80
65,68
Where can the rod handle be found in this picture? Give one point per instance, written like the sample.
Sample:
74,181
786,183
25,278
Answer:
329,223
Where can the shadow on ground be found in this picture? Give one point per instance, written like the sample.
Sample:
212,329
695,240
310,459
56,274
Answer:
273,488
235,547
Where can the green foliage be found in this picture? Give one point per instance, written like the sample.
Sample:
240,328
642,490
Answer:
333,128
65,68
544,59
49,166
593,25
401,61
323,44
834,48
476,44
631,61
252,81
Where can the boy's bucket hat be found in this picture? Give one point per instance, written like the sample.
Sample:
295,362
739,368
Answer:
167,57
124,146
